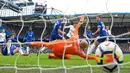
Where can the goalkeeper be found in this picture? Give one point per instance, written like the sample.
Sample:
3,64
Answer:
73,45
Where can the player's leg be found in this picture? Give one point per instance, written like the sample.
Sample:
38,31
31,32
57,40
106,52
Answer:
23,51
52,56
95,44
52,37
67,56
4,51
17,50
27,49
42,49
92,47
129,48
14,49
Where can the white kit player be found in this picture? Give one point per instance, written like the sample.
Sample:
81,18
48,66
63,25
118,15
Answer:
71,30
2,36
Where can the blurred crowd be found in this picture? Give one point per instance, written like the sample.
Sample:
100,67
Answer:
15,28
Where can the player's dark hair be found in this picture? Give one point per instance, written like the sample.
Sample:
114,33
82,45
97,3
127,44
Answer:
12,33
71,23
99,16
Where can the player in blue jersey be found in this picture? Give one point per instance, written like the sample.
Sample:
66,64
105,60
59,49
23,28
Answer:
100,32
29,36
11,49
88,31
56,31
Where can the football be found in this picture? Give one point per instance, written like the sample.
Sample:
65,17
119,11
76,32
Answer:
109,55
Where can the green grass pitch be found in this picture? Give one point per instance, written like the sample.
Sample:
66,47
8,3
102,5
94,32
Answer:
73,65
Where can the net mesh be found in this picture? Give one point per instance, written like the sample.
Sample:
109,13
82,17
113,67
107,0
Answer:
39,64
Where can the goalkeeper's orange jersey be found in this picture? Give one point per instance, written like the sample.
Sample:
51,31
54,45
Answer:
71,46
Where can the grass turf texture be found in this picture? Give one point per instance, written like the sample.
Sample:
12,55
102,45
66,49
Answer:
32,61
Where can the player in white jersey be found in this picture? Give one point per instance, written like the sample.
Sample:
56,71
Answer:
2,36
108,32
71,30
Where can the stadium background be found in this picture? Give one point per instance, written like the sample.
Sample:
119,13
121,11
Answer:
34,11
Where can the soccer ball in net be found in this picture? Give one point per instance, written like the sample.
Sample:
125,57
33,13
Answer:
108,56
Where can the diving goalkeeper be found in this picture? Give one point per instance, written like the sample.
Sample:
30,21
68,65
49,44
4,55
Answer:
73,45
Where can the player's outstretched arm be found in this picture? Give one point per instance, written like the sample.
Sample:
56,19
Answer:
38,43
91,57
83,55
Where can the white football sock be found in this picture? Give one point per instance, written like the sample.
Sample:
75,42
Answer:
90,49
27,50
8,48
42,49
21,51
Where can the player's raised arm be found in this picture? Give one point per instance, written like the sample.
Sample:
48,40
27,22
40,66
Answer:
82,18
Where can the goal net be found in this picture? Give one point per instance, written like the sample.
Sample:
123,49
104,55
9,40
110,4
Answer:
38,62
